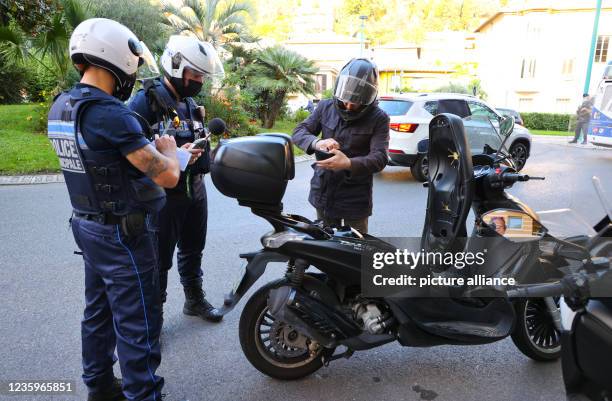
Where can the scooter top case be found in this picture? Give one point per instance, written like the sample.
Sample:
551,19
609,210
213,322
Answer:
254,170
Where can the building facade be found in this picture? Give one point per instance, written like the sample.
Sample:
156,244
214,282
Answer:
534,57
442,58
531,56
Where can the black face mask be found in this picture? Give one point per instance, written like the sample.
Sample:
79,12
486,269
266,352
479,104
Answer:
350,115
123,92
191,90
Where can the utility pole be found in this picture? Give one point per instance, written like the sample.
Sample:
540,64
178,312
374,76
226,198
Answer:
587,82
363,18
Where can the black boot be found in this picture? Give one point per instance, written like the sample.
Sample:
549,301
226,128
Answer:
114,393
197,305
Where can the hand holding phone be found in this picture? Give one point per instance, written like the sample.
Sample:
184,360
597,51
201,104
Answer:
322,155
199,143
326,144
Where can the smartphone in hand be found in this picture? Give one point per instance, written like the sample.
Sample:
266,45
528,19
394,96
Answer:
322,155
199,143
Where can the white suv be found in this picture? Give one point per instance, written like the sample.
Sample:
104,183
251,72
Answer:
410,114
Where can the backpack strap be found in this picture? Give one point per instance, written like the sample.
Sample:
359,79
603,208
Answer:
156,100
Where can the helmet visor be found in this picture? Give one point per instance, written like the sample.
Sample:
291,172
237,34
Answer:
213,70
355,90
146,62
213,67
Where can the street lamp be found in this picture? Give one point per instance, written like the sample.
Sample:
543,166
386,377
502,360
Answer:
363,18
587,81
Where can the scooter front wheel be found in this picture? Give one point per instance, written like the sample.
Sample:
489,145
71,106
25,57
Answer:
272,346
535,334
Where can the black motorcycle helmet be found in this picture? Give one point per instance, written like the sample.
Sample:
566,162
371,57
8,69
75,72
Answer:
357,83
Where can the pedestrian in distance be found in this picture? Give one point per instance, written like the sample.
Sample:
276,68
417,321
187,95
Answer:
583,117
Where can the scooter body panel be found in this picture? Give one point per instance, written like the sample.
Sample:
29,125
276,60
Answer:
587,366
339,257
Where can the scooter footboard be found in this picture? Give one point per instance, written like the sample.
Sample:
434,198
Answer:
254,269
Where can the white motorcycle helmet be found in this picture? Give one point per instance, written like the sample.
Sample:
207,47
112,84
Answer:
108,44
187,52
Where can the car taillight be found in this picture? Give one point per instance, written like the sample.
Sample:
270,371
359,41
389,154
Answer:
395,151
403,127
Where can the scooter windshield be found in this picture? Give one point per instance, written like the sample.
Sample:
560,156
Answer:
565,223
577,219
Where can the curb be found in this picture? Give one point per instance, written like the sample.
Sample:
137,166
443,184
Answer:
56,178
31,179
303,158
564,141
558,137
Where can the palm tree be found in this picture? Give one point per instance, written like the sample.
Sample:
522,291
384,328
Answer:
276,73
213,21
49,48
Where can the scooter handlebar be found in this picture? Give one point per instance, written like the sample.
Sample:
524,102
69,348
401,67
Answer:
511,178
539,290
575,284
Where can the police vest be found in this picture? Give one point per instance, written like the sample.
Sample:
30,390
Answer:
169,122
97,181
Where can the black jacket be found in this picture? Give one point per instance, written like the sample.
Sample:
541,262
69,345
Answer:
345,194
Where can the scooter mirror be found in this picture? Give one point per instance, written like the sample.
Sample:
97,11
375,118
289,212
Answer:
514,225
506,125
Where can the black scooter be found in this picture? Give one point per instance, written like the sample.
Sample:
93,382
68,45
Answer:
292,326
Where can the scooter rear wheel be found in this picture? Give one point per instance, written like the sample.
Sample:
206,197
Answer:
535,334
272,346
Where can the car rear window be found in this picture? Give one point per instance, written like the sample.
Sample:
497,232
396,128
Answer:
395,107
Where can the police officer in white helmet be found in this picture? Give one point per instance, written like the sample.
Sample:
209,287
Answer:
114,176
167,104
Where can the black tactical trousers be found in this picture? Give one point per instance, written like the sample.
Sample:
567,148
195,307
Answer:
182,223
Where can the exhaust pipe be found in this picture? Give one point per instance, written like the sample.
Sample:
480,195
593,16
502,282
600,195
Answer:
310,316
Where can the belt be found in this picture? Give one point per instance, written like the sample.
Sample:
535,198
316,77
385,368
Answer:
102,218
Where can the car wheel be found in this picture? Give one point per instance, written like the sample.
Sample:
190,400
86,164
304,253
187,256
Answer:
420,169
519,151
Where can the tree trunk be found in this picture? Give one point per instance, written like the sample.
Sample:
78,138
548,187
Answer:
274,105
268,121
263,109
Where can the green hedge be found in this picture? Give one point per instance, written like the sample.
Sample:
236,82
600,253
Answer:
547,121
300,115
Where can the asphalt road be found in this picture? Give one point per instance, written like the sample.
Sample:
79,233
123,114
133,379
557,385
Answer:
41,298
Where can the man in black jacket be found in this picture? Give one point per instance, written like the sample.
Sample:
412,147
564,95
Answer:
356,131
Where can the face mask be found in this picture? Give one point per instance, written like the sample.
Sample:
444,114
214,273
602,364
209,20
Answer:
124,92
191,90
347,115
